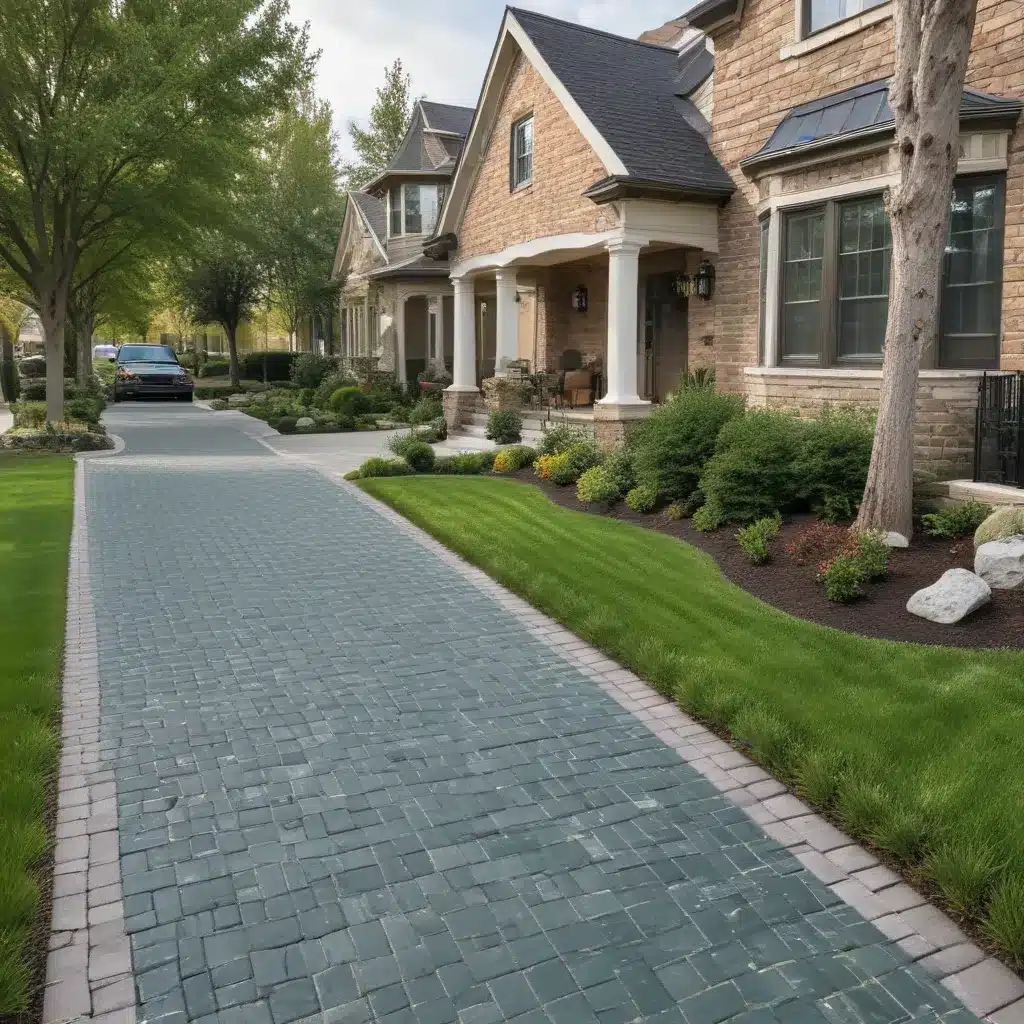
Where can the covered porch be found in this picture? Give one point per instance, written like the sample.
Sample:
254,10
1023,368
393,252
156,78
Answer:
609,317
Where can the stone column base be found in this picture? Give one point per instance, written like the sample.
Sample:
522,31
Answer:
458,405
612,423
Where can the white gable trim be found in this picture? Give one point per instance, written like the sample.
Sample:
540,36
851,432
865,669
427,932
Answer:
512,40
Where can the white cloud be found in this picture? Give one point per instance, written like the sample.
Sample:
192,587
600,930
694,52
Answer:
444,44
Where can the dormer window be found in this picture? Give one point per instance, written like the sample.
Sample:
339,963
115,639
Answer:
413,209
521,171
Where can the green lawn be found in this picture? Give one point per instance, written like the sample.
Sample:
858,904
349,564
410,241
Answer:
917,750
35,529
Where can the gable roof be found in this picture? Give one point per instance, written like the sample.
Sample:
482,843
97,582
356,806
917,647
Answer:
374,214
627,89
862,112
446,123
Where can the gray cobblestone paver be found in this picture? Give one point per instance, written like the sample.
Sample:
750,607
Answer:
352,787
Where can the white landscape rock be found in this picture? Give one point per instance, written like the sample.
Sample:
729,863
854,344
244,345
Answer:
896,540
238,400
305,423
955,595
1000,563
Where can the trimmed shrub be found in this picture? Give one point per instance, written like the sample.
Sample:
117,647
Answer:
350,401
29,414
366,421
32,367
86,410
671,448
595,486
756,538
575,461
62,438
509,460
505,426
309,370
708,517
219,405
384,467
621,470
426,410
420,456
753,471
832,466
277,364
643,498
873,548
547,464
33,390
463,465
399,444
675,512
844,578
1004,522
10,382
287,424
326,388
956,521
561,437
215,368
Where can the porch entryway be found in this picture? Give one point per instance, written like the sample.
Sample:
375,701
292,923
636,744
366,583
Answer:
665,337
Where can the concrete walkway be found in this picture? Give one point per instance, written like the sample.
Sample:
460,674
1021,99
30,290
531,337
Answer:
353,784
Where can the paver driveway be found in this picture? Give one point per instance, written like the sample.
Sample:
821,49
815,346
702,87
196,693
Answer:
351,787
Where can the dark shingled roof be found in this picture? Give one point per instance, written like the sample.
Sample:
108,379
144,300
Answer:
859,112
444,117
416,266
374,212
629,92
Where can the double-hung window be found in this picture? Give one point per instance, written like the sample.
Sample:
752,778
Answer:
521,164
834,280
414,209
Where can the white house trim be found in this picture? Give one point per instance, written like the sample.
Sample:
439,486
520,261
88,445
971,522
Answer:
512,40
533,248
352,211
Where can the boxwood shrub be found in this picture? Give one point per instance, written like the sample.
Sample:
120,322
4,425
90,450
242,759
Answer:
278,365
350,401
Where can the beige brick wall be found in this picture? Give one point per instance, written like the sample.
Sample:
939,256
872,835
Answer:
944,432
564,166
754,90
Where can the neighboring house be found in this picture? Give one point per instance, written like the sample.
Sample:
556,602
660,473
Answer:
802,123
587,178
396,304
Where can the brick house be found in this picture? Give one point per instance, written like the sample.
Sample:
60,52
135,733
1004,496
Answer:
588,194
396,304
800,120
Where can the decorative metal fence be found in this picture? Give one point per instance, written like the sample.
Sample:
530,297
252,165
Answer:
999,433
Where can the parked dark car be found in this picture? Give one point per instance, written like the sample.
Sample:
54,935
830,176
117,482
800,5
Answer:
150,370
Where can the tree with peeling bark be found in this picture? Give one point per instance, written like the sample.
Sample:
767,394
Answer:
115,112
933,41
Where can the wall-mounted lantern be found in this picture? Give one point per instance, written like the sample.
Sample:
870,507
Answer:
580,299
705,279
684,286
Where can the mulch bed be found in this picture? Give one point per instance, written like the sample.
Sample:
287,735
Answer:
792,587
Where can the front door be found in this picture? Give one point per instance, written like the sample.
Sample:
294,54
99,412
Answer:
665,338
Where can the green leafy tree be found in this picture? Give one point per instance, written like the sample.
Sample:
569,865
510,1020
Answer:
301,210
225,287
125,113
389,121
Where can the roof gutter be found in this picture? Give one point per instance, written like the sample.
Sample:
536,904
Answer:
615,187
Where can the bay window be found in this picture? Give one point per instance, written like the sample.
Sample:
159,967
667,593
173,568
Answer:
413,209
834,280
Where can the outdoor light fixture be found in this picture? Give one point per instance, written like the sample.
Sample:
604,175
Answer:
684,286
705,278
580,300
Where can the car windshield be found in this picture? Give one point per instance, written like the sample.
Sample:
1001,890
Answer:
146,354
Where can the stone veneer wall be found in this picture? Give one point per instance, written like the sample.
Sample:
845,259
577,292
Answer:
946,404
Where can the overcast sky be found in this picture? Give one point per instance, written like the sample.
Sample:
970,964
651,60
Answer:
444,44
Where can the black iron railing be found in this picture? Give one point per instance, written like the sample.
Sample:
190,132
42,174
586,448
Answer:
999,433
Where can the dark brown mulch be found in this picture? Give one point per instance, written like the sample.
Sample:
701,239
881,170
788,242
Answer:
791,586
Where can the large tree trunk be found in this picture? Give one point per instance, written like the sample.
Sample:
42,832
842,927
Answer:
233,354
933,39
52,315
84,343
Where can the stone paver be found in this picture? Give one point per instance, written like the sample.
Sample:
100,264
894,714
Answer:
357,782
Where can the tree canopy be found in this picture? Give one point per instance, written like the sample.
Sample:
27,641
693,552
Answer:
377,145
120,117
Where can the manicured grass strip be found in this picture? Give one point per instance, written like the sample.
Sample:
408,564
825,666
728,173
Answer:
36,496
919,750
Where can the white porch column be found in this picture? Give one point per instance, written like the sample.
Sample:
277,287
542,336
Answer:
464,370
400,337
439,336
507,322
623,284
366,325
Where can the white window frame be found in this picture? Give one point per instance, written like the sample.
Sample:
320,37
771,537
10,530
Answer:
419,184
515,155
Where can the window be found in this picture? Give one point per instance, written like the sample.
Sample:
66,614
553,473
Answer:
820,14
414,209
973,275
522,153
834,280
763,286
